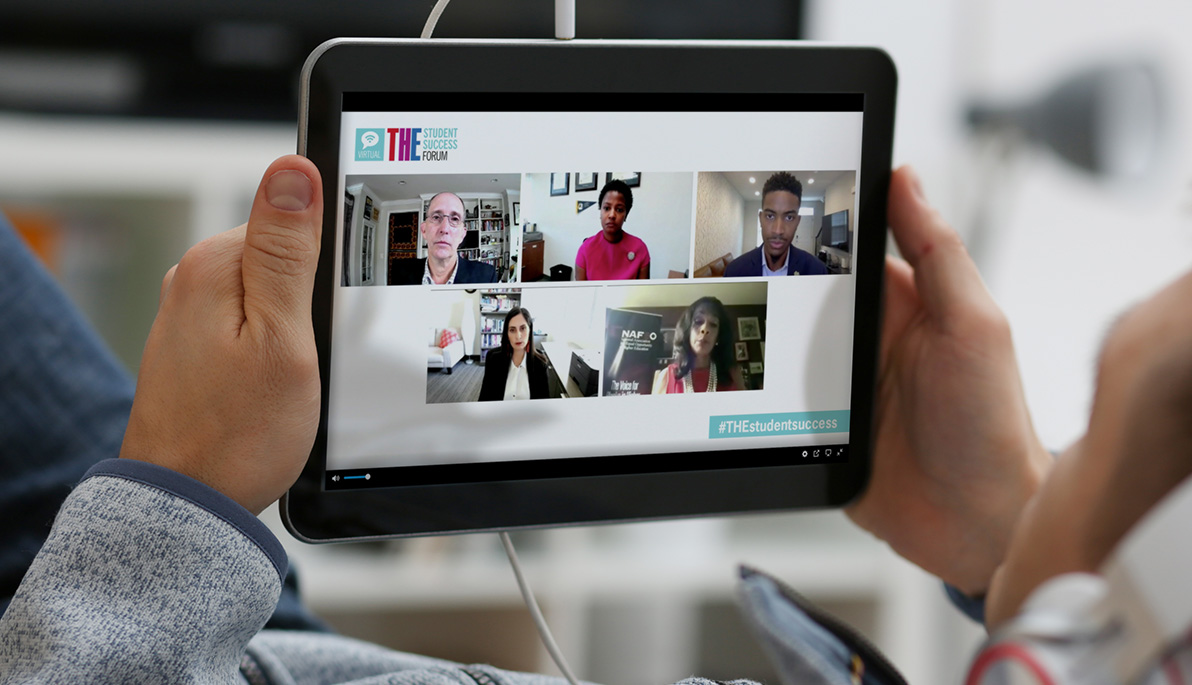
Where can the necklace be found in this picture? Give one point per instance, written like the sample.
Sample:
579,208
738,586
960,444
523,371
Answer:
689,386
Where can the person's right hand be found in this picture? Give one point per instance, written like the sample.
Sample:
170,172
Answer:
228,390
1137,449
956,457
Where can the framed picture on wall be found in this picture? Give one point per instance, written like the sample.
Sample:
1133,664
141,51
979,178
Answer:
560,184
748,328
755,367
632,179
742,351
585,180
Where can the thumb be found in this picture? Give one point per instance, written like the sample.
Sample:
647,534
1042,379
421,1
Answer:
947,280
281,244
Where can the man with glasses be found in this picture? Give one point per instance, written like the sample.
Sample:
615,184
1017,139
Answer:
781,196
443,231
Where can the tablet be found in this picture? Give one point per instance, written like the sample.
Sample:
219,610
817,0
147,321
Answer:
591,281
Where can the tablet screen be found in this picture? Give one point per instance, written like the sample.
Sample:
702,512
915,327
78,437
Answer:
534,286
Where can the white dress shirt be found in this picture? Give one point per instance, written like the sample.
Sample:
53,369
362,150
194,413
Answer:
517,383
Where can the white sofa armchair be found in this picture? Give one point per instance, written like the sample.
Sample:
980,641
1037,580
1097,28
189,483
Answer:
444,357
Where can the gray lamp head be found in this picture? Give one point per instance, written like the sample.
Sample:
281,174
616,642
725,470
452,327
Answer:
1108,120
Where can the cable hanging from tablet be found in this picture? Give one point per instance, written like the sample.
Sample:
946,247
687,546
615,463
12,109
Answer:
548,640
564,19
435,13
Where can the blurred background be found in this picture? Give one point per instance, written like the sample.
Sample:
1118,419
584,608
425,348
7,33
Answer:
1050,134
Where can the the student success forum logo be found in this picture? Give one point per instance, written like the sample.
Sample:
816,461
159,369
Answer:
405,144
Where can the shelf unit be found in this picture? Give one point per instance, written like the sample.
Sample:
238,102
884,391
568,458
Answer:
493,235
494,305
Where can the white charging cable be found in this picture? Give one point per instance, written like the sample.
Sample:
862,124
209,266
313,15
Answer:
564,19
435,13
548,640
564,30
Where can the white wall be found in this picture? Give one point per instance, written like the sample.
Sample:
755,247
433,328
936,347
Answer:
569,315
452,306
809,225
719,218
948,54
511,196
840,196
661,216
1060,308
752,235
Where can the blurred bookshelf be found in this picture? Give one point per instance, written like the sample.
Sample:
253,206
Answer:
110,205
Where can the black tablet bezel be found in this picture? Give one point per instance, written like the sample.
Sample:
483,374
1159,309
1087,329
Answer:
782,479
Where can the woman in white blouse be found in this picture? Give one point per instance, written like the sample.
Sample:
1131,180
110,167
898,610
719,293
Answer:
515,370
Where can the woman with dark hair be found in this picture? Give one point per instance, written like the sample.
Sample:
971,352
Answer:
612,254
704,360
515,370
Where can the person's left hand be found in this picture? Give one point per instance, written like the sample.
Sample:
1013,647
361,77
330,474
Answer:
956,456
228,390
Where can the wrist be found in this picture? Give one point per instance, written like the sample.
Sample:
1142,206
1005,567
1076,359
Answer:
992,523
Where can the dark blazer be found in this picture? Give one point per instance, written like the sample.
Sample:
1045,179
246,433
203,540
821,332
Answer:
409,272
750,264
496,372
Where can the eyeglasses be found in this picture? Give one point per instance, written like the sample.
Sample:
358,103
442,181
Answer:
453,220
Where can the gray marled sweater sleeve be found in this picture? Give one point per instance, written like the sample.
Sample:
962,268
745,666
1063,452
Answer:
146,577
151,577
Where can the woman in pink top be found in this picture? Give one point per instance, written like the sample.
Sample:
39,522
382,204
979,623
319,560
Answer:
612,254
704,359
